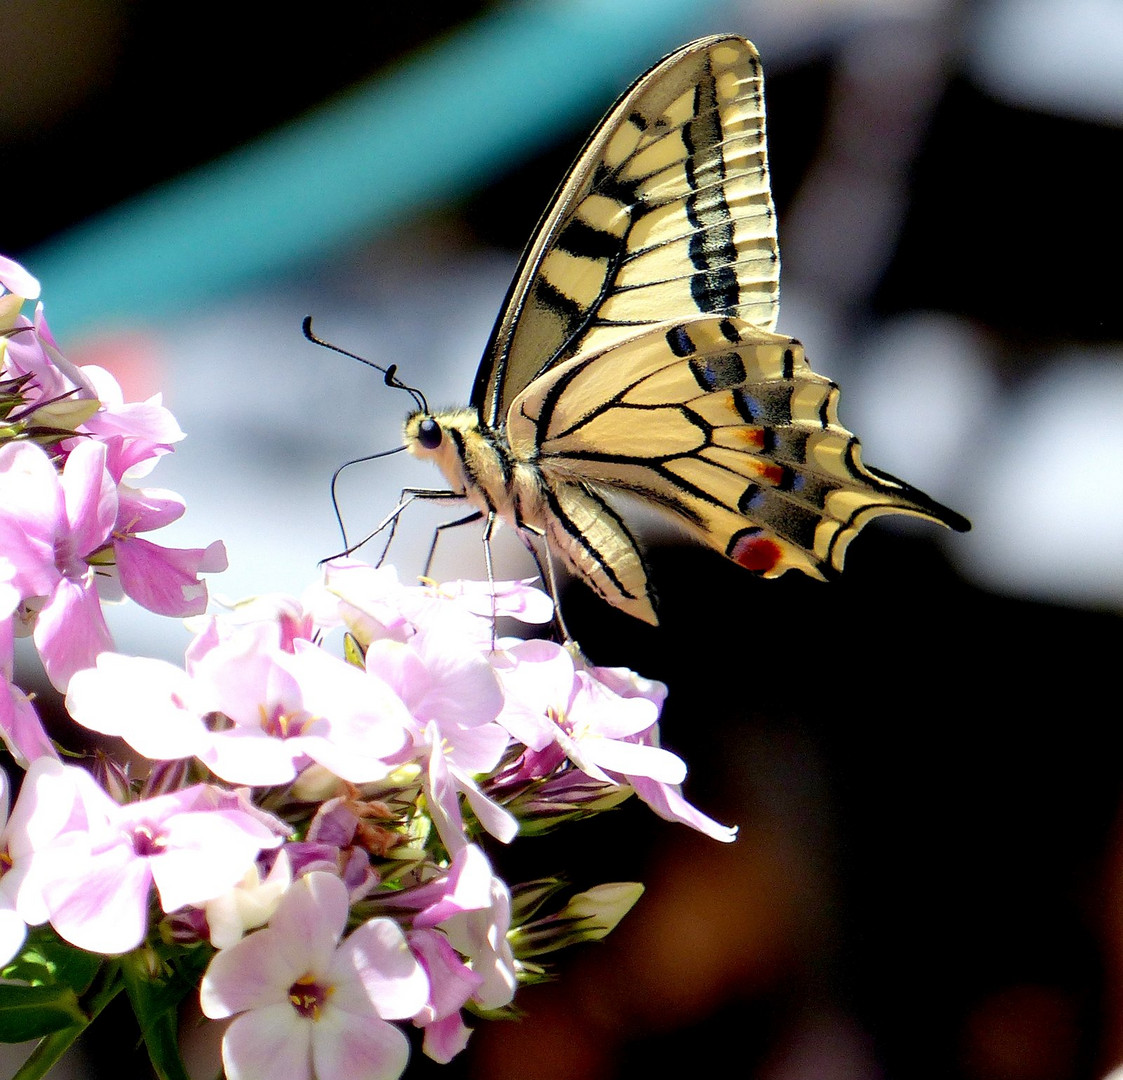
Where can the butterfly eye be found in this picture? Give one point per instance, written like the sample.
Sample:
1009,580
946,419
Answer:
429,433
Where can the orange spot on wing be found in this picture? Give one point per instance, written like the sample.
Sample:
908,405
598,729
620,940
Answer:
773,474
753,437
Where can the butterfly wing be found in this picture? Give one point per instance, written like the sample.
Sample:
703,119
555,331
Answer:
635,351
727,427
667,214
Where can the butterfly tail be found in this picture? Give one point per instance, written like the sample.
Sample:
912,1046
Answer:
922,505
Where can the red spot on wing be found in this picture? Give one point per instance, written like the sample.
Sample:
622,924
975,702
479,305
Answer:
773,474
756,553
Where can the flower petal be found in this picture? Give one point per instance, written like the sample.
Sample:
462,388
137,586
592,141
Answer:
166,580
350,1047
70,631
667,801
91,497
251,974
206,854
105,909
375,964
271,1042
151,704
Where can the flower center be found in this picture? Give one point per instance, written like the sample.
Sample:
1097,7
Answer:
560,718
147,841
67,562
281,724
308,997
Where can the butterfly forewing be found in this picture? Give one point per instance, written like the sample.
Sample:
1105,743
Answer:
726,426
666,215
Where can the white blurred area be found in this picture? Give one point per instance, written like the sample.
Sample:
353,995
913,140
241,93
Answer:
1036,465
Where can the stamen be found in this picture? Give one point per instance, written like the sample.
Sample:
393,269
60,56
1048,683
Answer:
308,997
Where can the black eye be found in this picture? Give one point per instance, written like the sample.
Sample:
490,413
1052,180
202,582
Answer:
429,433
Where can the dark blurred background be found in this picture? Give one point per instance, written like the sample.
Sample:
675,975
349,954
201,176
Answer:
924,757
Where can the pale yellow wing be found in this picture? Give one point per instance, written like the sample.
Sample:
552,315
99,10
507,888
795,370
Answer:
725,426
665,215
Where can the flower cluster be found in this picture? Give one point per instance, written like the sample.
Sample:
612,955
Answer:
70,519
301,832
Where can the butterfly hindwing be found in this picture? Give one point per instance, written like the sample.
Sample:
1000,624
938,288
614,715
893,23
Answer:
666,215
726,426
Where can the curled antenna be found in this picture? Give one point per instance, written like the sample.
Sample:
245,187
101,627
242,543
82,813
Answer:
391,373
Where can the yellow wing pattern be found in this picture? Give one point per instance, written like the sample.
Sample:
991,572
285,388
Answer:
666,215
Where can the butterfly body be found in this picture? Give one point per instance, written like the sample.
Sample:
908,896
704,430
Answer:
636,352
539,497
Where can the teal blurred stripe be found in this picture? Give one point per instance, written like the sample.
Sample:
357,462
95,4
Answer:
445,121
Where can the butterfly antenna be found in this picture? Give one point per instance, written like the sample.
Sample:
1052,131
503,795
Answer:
390,373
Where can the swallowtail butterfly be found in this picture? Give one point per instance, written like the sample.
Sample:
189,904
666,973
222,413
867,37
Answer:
636,352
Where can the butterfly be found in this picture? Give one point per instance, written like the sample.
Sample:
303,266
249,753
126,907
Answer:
636,352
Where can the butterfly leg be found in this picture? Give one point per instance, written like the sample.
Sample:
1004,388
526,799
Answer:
547,576
489,528
467,520
407,496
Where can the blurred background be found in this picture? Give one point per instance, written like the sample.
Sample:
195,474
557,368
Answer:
924,758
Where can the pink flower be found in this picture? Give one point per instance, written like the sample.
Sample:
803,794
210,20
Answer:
453,696
13,929
53,799
308,1007
452,984
49,524
373,604
274,620
472,907
95,880
550,701
668,802
166,580
20,727
285,710
144,430
163,580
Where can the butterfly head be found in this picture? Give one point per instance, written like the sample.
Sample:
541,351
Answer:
441,437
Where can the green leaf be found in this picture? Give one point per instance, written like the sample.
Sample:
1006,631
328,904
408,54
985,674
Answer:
47,960
42,986
46,1004
30,1012
156,985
